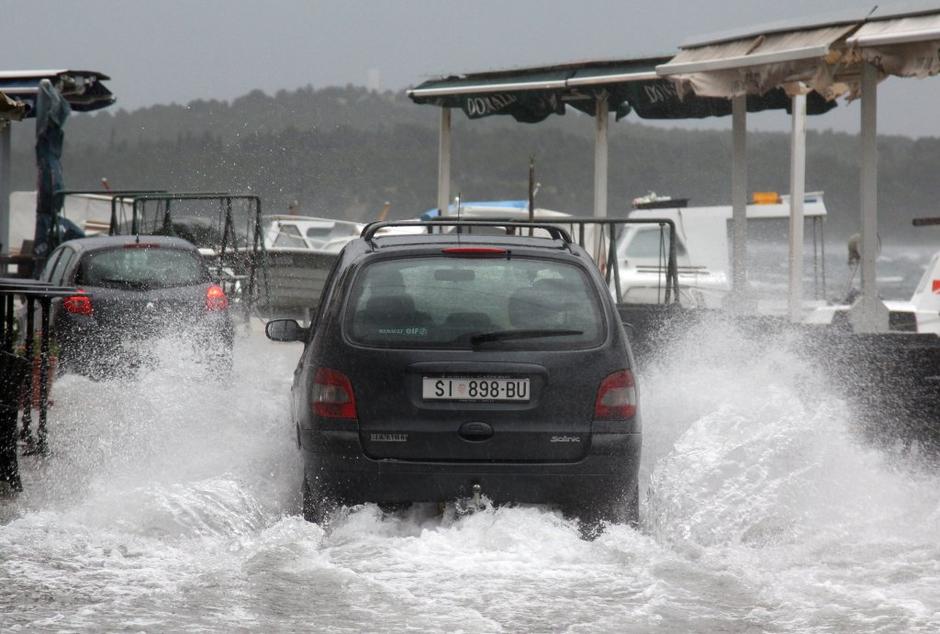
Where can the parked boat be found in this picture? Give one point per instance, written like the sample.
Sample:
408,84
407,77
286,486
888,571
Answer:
299,253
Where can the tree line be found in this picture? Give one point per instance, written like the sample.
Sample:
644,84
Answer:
344,152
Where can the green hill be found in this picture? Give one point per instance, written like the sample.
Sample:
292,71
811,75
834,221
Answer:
345,151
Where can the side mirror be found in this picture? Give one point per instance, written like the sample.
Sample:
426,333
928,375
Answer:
285,330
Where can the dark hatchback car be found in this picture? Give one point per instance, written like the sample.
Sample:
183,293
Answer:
439,362
139,288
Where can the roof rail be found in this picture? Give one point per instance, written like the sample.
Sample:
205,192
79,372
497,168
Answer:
556,233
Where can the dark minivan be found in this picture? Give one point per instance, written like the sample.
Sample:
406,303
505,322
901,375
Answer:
439,364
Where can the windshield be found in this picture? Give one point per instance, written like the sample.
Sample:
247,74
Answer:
447,302
142,268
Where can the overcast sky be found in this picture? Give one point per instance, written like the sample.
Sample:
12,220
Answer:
162,51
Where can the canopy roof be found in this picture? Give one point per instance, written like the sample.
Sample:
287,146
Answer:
532,94
83,89
823,55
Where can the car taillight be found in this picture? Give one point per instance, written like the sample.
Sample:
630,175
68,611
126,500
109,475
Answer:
215,298
332,395
78,304
616,397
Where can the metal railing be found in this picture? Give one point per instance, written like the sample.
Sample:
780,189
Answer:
15,393
602,232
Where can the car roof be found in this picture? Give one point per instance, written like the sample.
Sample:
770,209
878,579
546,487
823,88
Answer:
109,242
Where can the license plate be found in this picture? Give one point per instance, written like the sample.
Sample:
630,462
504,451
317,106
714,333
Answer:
474,389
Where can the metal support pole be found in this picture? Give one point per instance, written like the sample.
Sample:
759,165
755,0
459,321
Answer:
45,335
5,185
25,433
135,222
167,220
738,199
8,321
797,192
612,258
600,175
869,314
600,158
443,163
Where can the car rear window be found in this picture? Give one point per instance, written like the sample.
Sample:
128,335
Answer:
453,302
142,268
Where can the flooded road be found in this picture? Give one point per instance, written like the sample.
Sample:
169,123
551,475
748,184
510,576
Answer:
170,504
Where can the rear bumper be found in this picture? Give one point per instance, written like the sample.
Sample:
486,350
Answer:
336,466
86,344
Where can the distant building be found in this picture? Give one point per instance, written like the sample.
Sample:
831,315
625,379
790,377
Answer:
374,80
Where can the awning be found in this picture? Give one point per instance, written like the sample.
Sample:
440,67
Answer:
83,89
759,63
906,46
528,95
531,95
824,55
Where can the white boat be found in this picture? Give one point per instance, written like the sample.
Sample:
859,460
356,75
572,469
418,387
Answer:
299,253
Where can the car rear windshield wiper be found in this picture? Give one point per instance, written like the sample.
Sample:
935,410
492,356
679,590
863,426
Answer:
504,335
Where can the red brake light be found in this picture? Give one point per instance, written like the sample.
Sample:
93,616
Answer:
78,304
141,245
484,251
616,397
332,395
215,298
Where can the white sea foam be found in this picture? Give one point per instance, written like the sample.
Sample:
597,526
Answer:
170,503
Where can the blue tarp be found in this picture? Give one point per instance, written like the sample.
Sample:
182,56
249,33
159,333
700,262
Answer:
430,214
51,112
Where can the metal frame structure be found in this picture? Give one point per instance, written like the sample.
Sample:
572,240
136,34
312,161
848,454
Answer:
554,228
58,201
257,254
31,292
604,78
